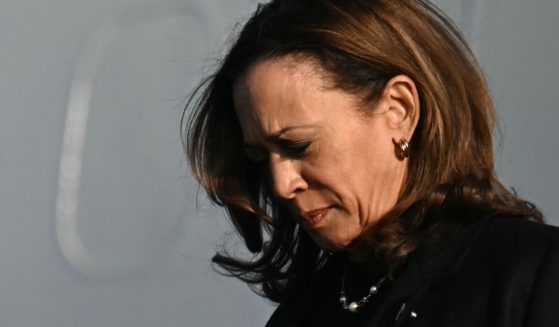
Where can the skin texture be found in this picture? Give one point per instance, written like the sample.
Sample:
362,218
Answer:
333,162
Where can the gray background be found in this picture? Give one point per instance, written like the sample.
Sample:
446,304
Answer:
98,221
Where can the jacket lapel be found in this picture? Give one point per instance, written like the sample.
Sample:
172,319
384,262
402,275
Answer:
435,259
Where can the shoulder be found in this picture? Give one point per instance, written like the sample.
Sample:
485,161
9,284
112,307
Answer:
494,250
523,256
522,243
505,270
517,236
502,242
511,227
491,243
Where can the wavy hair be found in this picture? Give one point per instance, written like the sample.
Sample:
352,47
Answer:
360,45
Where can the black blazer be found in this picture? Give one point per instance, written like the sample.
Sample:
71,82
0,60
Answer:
494,272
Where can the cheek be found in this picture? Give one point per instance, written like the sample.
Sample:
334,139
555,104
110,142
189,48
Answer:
365,155
361,170
374,150
358,159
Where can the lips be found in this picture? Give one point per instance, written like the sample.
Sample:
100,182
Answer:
314,217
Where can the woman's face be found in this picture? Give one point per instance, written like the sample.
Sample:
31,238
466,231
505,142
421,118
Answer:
333,166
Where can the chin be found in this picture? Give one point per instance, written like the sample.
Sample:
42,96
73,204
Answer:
331,243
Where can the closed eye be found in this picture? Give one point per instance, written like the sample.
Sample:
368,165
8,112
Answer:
293,149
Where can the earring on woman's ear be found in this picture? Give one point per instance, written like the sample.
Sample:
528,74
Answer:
404,146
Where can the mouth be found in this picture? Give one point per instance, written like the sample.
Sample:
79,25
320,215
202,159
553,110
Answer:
313,218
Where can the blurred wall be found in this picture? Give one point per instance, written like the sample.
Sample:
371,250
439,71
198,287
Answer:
98,220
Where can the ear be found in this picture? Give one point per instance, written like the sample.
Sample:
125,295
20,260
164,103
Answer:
400,105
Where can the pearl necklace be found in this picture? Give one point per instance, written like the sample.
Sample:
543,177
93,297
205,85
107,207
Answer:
354,306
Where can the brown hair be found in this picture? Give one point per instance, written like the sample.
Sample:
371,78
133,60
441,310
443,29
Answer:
360,44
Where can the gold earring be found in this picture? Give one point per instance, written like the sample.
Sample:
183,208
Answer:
404,146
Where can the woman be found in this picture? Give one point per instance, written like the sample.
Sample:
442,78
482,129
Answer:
351,143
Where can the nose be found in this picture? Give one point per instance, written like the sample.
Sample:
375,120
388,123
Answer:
286,177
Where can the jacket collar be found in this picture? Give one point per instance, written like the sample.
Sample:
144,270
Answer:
436,258
439,256
444,253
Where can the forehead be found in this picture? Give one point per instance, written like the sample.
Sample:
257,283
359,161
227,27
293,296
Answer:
284,93
283,79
